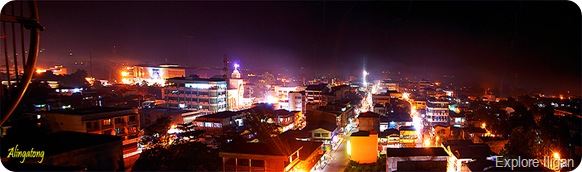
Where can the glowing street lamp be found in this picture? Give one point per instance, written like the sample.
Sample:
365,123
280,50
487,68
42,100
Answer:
426,142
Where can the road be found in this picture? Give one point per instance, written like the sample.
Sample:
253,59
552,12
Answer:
130,161
340,157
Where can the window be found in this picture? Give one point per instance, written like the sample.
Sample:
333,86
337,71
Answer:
88,125
107,122
132,118
257,163
208,124
119,120
324,134
316,134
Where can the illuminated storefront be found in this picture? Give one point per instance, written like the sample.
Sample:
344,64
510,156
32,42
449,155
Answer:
151,74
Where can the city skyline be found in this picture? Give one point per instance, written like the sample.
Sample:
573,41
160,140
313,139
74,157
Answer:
290,86
487,43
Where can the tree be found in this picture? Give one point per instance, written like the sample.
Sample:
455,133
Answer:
191,156
265,82
76,79
157,132
154,159
380,165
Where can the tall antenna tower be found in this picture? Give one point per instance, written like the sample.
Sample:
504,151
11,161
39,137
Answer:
225,68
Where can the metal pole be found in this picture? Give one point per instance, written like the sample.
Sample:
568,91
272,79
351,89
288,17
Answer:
32,57
6,59
14,45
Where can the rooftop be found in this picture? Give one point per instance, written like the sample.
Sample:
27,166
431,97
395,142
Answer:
294,134
396,118
475,130
262,148
89,110
319,87
329,126
388,132
364,133
407,128
407,152
453,114
219,115
283,113
487,139
369,114
158,110
195,79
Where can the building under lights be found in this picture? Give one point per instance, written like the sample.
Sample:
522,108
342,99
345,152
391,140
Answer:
140,74
208,95
236,91
314,93
56,70
437,112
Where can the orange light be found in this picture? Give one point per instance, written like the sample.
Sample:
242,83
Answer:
124,73
556,155
426,142
40,71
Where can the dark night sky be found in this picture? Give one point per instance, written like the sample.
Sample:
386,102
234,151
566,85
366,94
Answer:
482,42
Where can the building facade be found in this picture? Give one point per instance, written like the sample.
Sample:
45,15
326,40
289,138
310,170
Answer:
207,95
122,122
437,112
144,74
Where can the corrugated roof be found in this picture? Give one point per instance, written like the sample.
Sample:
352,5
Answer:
406,152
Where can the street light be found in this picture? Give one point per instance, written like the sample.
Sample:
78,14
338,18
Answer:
426,142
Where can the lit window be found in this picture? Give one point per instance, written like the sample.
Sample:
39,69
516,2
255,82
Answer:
317,135
107,122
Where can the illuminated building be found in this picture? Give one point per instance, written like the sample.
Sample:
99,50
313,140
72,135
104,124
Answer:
458,120
363,146
395,121
408,136
115,121
236,90
297,101
437,112
463,152
416,159
208,95
314,93
286,120
217,123
57,70
296,156
149,75
282,95
369,121
388,85
419,103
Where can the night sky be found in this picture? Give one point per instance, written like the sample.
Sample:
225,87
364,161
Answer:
486,43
